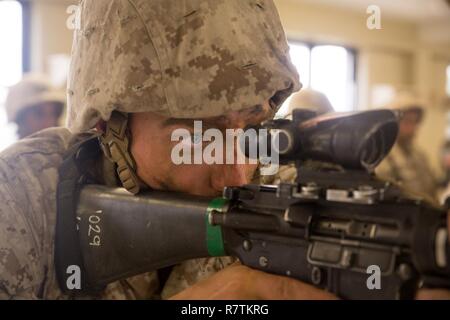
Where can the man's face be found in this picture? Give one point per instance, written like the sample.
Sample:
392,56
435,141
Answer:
39,117
152,149
409,126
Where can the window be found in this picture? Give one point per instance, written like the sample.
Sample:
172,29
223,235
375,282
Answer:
326,68
10,60
301,58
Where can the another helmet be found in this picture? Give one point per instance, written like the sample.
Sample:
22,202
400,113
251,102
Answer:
182,59
32,90
312,100
407,101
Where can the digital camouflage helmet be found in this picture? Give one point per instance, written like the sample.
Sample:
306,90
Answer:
177,58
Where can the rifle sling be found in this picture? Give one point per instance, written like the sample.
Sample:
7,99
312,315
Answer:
72,176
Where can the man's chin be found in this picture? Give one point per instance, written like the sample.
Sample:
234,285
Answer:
202,192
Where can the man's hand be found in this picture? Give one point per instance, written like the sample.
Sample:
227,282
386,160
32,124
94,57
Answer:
435,294
239,282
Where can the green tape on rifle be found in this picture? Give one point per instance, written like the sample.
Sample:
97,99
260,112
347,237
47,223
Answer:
214,238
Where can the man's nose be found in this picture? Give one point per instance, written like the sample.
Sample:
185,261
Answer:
230,175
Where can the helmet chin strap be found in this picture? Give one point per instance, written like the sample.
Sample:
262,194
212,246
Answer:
115,143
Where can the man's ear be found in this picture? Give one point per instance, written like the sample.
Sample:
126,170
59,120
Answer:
101,126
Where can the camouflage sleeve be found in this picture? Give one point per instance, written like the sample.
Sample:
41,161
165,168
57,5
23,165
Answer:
20,267
285,174
385,170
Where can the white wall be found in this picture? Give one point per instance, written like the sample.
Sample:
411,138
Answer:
49,33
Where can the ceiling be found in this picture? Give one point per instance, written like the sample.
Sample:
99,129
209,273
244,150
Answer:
421,11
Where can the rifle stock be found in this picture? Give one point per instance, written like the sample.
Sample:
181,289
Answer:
122,235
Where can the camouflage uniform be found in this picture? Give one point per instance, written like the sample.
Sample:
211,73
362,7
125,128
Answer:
170,57
29,177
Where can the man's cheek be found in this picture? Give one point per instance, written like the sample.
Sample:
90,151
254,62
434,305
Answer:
195,179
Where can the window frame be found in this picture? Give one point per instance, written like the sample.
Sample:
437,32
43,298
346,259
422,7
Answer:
26,34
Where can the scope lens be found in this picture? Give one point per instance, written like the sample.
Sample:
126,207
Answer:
374,150
282,142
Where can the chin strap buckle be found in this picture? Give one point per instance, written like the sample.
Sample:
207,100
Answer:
115,143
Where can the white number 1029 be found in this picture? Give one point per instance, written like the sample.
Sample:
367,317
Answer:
94,230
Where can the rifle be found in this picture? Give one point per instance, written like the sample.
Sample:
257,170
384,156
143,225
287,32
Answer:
333,228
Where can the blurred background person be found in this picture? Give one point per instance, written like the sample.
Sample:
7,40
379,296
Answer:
34,104
407,164
312,100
